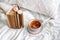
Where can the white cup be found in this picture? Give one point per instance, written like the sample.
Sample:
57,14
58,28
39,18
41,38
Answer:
34,30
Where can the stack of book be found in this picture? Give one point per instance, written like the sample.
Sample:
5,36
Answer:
15,17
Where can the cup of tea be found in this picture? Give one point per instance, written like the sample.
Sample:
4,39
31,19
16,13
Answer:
34,26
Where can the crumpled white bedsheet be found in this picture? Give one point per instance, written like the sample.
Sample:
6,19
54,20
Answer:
50,31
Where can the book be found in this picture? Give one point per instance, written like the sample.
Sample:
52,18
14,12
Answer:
15,18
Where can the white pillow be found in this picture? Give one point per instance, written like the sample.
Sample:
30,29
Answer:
46,7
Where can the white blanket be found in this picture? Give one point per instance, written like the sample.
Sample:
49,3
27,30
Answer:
49,8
